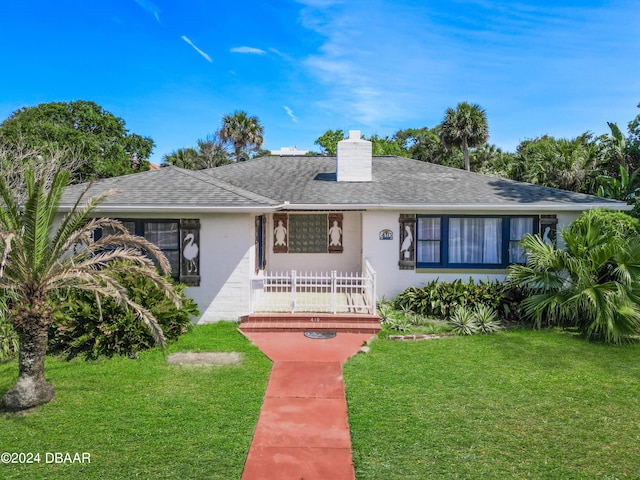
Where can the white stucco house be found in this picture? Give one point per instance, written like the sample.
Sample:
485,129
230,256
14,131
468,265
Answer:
240,233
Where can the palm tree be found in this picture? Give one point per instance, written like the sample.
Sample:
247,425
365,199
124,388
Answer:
210,153
592,284
465,127
242,131
41,255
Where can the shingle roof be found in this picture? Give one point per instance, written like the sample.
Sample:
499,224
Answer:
396,181
169,187
301,181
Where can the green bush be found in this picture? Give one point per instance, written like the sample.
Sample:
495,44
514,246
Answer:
468,321
610,224
8,340
441,299
80,330
592,283
462,321
486,319
8,336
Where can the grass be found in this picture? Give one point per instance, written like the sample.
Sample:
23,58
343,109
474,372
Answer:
143,418
521,404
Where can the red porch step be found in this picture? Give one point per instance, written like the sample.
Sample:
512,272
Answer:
310,322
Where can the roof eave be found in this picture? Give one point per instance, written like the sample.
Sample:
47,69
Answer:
551,207
545,207
176,209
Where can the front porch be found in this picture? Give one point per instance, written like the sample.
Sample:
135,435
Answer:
313,301
314,292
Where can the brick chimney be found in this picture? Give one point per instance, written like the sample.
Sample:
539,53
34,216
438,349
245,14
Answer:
354,163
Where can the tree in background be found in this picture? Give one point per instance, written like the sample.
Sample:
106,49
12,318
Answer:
558,163
16,160
614,153
184,158
39,258
210,153
387,146
634,137
329,141
82,130
242,131
465,127
424,144
489,159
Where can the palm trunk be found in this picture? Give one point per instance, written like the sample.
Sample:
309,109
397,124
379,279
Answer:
465,152
32,388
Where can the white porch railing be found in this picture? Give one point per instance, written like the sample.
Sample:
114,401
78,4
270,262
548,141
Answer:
317,292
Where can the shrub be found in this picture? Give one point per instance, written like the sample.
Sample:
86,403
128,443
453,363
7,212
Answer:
8,336
613,224
392,318
441,299
83,328
8,340
593,283
462,321
468,321
486,319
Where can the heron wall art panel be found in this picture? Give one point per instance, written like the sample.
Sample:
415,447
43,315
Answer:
190,252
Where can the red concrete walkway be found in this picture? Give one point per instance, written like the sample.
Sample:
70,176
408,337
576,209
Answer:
302,431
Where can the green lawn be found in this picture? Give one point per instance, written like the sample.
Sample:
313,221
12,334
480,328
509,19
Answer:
520,404
143,418
523,404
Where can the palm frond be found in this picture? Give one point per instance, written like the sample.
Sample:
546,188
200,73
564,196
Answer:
76,219
7,240
9,212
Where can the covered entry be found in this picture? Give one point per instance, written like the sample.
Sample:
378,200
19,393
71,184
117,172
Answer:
311,261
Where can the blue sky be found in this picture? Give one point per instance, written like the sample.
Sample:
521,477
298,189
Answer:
171,69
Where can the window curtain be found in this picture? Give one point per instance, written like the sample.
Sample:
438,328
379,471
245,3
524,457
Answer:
429,236
518,228
475,240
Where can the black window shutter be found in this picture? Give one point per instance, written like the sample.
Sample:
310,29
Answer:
190,252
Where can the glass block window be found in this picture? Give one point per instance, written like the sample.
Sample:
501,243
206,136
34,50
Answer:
308,233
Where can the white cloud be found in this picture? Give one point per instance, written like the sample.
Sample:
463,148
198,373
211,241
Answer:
249,50
150,7
206,57
290,113
373,61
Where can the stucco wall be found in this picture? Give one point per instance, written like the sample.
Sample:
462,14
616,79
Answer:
227,258
226,264
383,254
